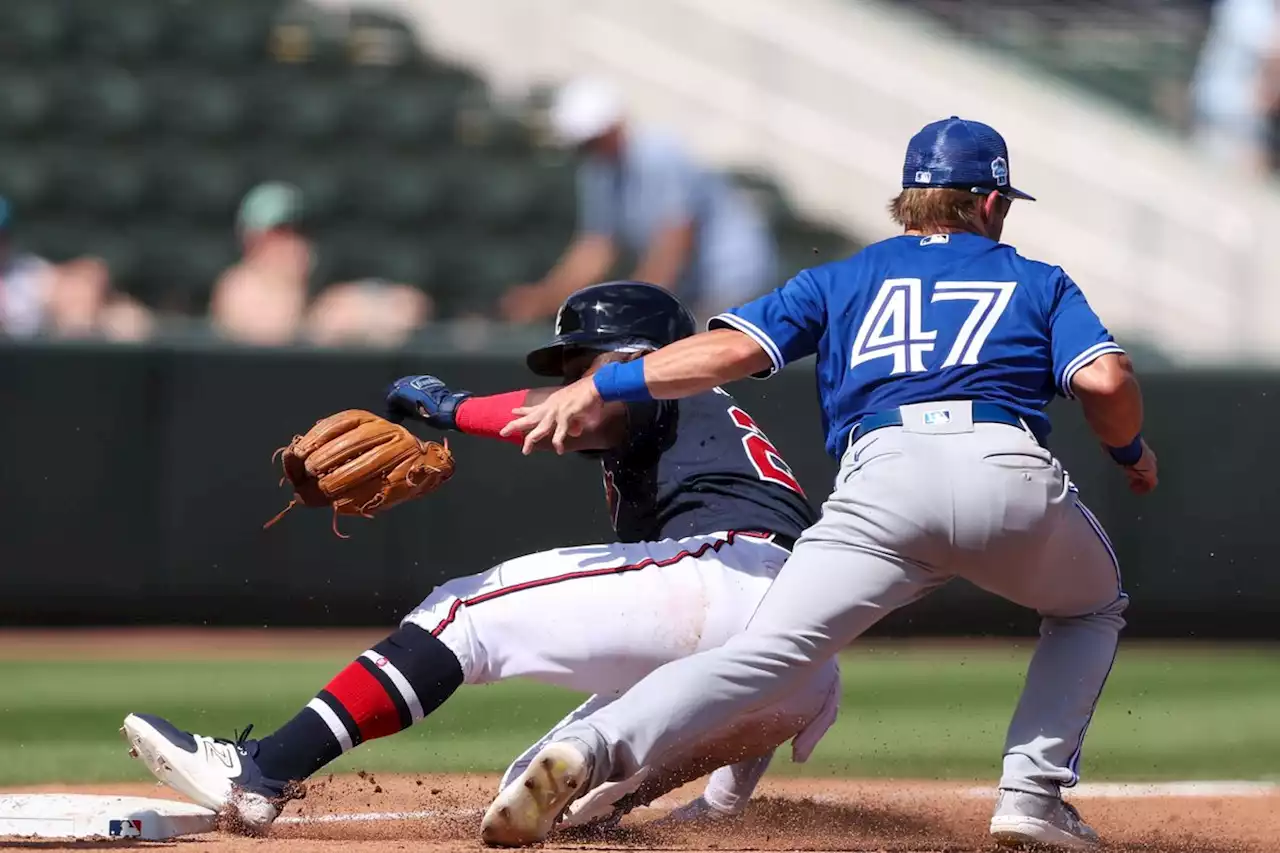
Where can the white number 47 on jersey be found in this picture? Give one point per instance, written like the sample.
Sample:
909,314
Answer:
893,327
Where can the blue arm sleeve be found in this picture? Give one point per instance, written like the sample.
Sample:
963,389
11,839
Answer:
1076,335
787,323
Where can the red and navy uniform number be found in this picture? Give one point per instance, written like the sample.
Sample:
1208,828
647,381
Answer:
697,466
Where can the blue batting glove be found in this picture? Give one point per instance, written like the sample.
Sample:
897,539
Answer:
424,398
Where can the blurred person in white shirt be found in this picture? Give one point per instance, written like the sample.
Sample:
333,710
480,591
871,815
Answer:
639,190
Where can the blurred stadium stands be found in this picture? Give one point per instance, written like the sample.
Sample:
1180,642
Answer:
132,129
1140,54
1170,243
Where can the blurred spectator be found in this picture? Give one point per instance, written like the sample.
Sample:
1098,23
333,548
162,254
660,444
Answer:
25,284
639,191
261,298
71,300
82,303
372,312
1236,88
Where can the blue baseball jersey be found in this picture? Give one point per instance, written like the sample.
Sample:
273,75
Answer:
918,319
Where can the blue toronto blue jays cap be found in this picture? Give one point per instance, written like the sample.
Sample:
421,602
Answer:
959,154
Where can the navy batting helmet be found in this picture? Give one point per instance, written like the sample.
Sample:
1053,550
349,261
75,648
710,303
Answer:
613,316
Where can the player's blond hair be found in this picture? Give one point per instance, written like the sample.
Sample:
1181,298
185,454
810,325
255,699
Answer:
932,208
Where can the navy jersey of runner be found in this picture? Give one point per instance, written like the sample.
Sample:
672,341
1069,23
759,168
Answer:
697,466
918,319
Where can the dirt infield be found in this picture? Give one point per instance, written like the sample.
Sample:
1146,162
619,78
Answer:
440,814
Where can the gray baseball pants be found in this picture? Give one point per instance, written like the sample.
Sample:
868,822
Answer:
913,507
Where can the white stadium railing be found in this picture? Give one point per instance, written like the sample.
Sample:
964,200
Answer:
824,94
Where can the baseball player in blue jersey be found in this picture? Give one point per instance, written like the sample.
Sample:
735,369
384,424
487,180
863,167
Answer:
937,353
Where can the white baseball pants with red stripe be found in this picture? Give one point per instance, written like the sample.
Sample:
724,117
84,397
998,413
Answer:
599,618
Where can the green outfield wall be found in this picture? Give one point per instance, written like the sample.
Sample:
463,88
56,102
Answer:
136,480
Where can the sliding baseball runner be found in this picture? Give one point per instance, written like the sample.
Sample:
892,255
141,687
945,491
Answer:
706,513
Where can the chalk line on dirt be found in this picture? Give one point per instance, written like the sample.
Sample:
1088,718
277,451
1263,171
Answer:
358,817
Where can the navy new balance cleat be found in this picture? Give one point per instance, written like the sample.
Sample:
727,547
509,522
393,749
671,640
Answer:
216,773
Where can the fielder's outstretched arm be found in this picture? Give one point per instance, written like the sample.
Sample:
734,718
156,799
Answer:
702,362
607,427
685,368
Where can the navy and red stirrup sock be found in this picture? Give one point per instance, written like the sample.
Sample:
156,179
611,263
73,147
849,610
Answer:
387,689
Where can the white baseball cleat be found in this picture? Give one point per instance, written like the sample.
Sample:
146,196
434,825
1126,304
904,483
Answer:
1025,819
525,811
216,773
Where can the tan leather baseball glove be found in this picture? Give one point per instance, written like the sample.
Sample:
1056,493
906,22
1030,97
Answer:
361,464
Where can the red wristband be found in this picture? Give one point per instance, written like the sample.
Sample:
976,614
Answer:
487,416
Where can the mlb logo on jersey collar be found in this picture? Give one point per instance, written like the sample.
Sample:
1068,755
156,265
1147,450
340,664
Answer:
937,417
